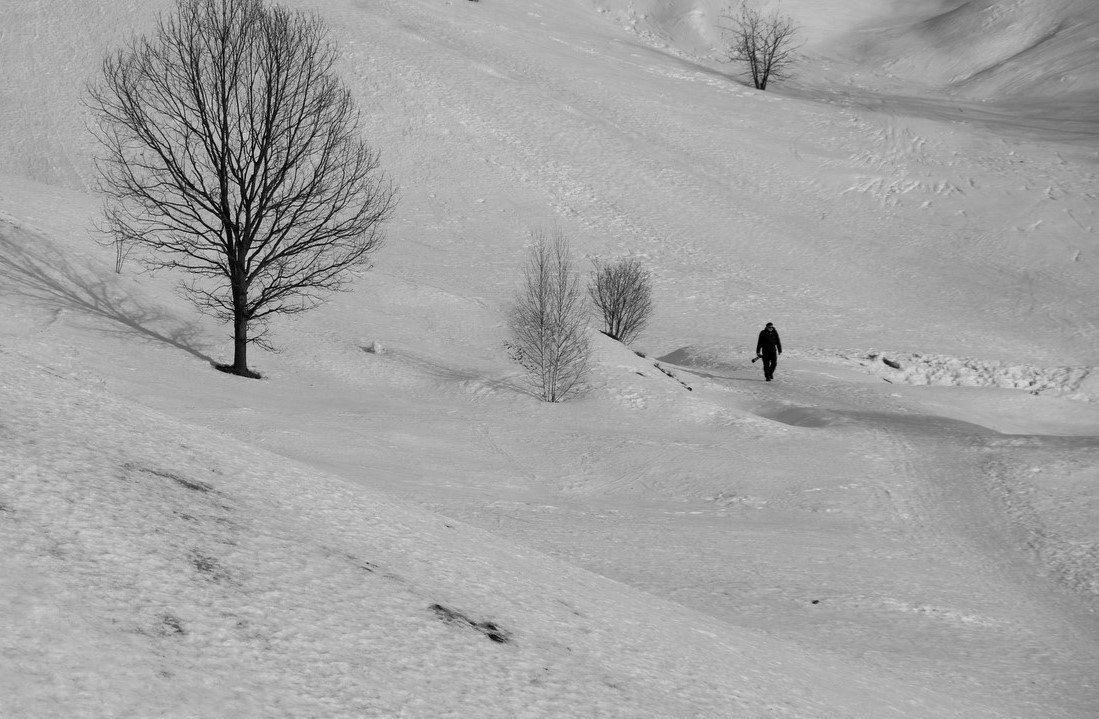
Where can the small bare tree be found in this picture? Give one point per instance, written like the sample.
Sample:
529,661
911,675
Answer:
766,43
233,153
548,321
622,292
121,252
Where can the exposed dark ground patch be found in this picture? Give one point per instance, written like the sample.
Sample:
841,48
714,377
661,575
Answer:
209,567
171,625
489,629
192,484
358,563
368,567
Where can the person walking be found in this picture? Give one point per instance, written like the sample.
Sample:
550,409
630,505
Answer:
768,348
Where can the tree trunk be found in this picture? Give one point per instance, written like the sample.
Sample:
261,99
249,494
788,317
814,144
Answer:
240,330
240,345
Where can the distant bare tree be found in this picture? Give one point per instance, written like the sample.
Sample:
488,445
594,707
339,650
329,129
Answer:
766,43
233,153
548,321
622,292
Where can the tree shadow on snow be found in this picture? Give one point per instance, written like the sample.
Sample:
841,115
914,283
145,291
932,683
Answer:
721,377
46,276
732,76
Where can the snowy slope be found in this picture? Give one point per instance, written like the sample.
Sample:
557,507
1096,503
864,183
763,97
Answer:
154,569
990,49
986,49
347,536
488,141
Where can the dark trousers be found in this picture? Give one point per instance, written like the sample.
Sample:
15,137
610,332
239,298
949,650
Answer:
770,361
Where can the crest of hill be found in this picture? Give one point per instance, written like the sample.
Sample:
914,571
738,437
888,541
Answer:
984,49
697,27
987,49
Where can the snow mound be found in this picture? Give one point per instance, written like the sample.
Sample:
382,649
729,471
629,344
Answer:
943,370
647,387
630,378
712,357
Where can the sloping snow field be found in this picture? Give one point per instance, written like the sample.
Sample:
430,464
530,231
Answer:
904,524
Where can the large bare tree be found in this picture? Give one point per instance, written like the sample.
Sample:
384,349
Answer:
234,154
766,43
548,320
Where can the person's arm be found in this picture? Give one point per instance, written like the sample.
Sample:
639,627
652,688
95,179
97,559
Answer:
759,344
778,343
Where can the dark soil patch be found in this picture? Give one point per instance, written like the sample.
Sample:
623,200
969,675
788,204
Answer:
210,567
171,625
489,629
192,484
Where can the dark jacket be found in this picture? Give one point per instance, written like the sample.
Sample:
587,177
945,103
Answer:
769,343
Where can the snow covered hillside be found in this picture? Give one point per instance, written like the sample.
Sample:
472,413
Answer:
388,525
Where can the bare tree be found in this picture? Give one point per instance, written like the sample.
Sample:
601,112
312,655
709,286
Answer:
766,43
622,292
121,252
233,153
548,321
